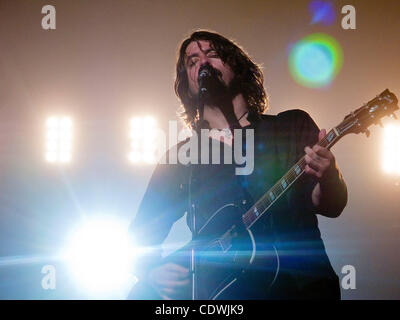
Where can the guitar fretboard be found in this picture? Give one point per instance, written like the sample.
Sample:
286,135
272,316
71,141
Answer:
283,184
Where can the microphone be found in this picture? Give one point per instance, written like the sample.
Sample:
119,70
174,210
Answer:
209,84
204,75
207,78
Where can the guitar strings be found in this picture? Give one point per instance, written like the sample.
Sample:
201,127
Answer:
264,202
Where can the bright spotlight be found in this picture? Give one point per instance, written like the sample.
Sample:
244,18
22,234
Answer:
143,134
391,149
58,142
100,258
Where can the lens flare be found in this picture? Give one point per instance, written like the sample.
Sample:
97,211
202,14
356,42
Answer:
322,12
315,60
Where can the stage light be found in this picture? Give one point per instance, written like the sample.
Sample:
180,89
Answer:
143,134
58,139
391,149
315,60
100,256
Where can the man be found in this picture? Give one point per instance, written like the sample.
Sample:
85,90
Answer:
238,100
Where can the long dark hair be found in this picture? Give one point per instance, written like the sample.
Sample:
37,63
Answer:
248,80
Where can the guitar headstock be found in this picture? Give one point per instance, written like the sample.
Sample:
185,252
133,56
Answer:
370,113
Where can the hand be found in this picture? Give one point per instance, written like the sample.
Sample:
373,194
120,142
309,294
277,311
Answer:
171,281
320,162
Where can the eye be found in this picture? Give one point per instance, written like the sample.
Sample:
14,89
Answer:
192,62
213,54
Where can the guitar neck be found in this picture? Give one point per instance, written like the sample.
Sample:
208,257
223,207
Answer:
384,104
283,184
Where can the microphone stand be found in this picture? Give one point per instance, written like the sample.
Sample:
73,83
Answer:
192,212
192,206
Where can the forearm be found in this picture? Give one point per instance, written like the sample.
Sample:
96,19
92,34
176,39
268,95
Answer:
329,195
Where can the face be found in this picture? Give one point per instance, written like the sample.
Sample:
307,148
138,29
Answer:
198,54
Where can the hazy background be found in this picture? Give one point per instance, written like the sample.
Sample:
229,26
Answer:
110,60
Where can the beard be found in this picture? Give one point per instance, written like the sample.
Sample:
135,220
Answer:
218,93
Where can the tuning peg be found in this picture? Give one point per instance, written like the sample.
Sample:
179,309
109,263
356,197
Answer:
394,116
367,133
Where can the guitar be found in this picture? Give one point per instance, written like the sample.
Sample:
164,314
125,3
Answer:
228,253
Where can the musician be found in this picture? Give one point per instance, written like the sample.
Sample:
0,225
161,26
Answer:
239,100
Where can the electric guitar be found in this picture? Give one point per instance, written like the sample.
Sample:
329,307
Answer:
227,251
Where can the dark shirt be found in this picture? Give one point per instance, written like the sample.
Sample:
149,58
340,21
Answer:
279,142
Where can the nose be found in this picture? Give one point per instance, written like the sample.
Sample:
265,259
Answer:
203,60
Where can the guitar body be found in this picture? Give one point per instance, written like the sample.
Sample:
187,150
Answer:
229,257
232,263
